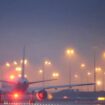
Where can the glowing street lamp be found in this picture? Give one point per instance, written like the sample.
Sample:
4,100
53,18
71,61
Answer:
25,61
47,62
99,83
98,69
103,54
70,51
7,64
88,76
19,75
89,73
24,75
18,68
40,71
82,73
55,74
75,76
83,65
15,63
12,77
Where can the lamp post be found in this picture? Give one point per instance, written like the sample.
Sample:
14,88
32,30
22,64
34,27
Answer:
88,76
94,64
70,52
46,63
76,77
99,84
103,74
104,81
82,66
98,70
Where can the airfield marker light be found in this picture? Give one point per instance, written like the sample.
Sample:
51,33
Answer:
101,98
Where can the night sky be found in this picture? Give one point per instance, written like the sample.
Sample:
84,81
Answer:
48,27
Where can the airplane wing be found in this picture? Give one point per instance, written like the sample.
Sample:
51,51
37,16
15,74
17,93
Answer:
8,82
41,81
64,86
69,85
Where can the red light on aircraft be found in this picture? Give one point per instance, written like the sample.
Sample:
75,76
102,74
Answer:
40,96
16,95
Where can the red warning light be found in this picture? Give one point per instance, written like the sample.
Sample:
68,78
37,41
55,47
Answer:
16,95
40,96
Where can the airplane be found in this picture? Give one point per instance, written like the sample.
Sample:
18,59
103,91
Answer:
20,90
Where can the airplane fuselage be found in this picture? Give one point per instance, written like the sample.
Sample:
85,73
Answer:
22,85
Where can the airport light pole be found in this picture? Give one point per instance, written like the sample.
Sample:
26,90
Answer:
88,76
46,63
99,84
97,71
94,73
104,81
94,64
70,52
82,66
76,77
103,74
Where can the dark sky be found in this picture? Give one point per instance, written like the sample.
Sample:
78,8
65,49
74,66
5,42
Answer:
48,27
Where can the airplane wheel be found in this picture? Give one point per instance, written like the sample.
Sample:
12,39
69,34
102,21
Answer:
31,101
2,102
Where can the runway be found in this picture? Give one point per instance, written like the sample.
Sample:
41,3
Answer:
56,103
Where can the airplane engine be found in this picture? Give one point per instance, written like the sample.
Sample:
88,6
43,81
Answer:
41,95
